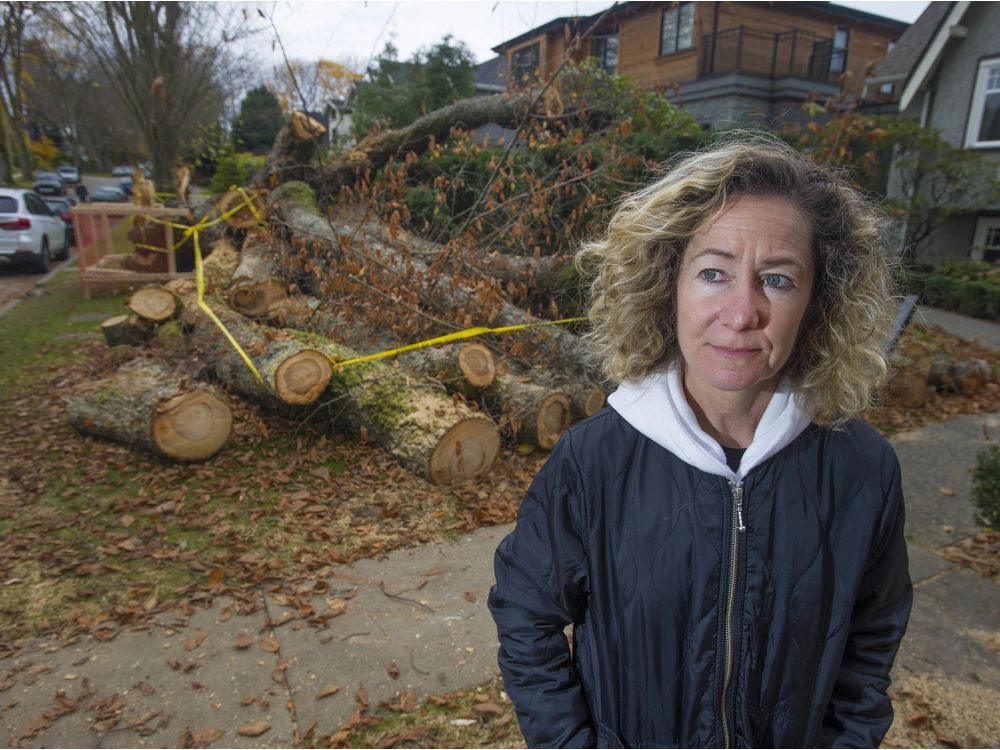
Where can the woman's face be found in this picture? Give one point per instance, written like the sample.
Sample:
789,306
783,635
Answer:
744,284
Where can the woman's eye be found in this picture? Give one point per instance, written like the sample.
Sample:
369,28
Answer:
776,281
710,274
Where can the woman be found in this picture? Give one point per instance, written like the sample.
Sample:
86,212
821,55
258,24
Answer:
727,537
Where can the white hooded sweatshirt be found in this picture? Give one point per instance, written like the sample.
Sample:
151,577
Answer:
657,407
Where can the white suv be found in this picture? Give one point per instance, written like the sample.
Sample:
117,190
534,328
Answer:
29,231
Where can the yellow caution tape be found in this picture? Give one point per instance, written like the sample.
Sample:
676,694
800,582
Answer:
195,230
468,333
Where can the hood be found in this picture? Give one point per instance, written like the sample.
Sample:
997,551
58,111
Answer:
657,407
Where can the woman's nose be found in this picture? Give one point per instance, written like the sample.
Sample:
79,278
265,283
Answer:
744,306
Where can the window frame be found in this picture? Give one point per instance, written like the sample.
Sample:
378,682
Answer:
978,105
834,50
603,56
984,225
536,71
676,9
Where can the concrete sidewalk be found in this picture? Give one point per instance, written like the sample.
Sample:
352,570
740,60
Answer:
421,613
423,610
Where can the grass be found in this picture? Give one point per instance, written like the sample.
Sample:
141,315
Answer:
41,331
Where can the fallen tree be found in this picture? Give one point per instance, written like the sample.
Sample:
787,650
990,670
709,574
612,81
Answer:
146,405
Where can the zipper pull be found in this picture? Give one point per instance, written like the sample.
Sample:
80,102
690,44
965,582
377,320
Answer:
737,490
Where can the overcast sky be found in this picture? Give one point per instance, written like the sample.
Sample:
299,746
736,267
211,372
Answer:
356,31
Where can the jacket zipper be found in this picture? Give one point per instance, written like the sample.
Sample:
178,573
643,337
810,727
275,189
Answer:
736,489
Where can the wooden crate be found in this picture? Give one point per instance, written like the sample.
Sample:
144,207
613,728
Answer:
100,262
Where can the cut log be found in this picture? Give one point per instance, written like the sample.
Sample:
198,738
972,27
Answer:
153,303
258,282
429,432
245,217
293,373
534,414
145,405
126,329
463,367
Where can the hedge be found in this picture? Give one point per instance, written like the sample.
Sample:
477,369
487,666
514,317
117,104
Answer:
973,298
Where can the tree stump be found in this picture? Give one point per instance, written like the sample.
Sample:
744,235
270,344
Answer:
908,383
154,304
126,330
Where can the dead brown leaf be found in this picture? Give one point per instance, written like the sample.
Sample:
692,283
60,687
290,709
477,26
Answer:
269,644
327,691
254,730
469,597
243,640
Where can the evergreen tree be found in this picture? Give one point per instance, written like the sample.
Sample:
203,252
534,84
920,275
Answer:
258,122
396,93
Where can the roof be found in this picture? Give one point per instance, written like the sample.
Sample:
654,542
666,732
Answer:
898,63
619,9
492,74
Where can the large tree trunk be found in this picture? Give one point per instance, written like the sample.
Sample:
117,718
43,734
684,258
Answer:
429,432
293,373
465,367
258,282
375,150
145,405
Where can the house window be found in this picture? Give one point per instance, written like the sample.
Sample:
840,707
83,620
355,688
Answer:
838,58
524,64
987,242
984,119
887,88
677,28
605,49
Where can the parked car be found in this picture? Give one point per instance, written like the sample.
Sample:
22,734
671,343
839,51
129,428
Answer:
61,207
68,173
29,232
49,183
120,171
108,195
125,185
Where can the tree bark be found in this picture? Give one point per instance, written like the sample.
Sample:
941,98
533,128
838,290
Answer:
126,330
258,282
145,405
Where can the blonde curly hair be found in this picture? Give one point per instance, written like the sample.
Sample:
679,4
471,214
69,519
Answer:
838,361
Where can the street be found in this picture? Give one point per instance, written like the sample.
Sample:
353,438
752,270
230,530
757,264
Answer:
18,281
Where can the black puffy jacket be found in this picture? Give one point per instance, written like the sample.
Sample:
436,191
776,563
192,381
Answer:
699,622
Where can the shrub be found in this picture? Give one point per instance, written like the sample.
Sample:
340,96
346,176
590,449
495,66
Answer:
976,299
986,486
970,270
235,169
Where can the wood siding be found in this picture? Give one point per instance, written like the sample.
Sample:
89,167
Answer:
639,39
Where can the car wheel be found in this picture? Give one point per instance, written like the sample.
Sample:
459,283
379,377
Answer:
43,262
64,253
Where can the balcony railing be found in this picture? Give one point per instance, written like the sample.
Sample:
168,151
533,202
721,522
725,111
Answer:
763,53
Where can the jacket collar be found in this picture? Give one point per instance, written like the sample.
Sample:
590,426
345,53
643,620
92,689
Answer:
656,407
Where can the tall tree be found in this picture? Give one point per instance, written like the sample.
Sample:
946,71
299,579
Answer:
396,93
14,84
170,63
258,122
